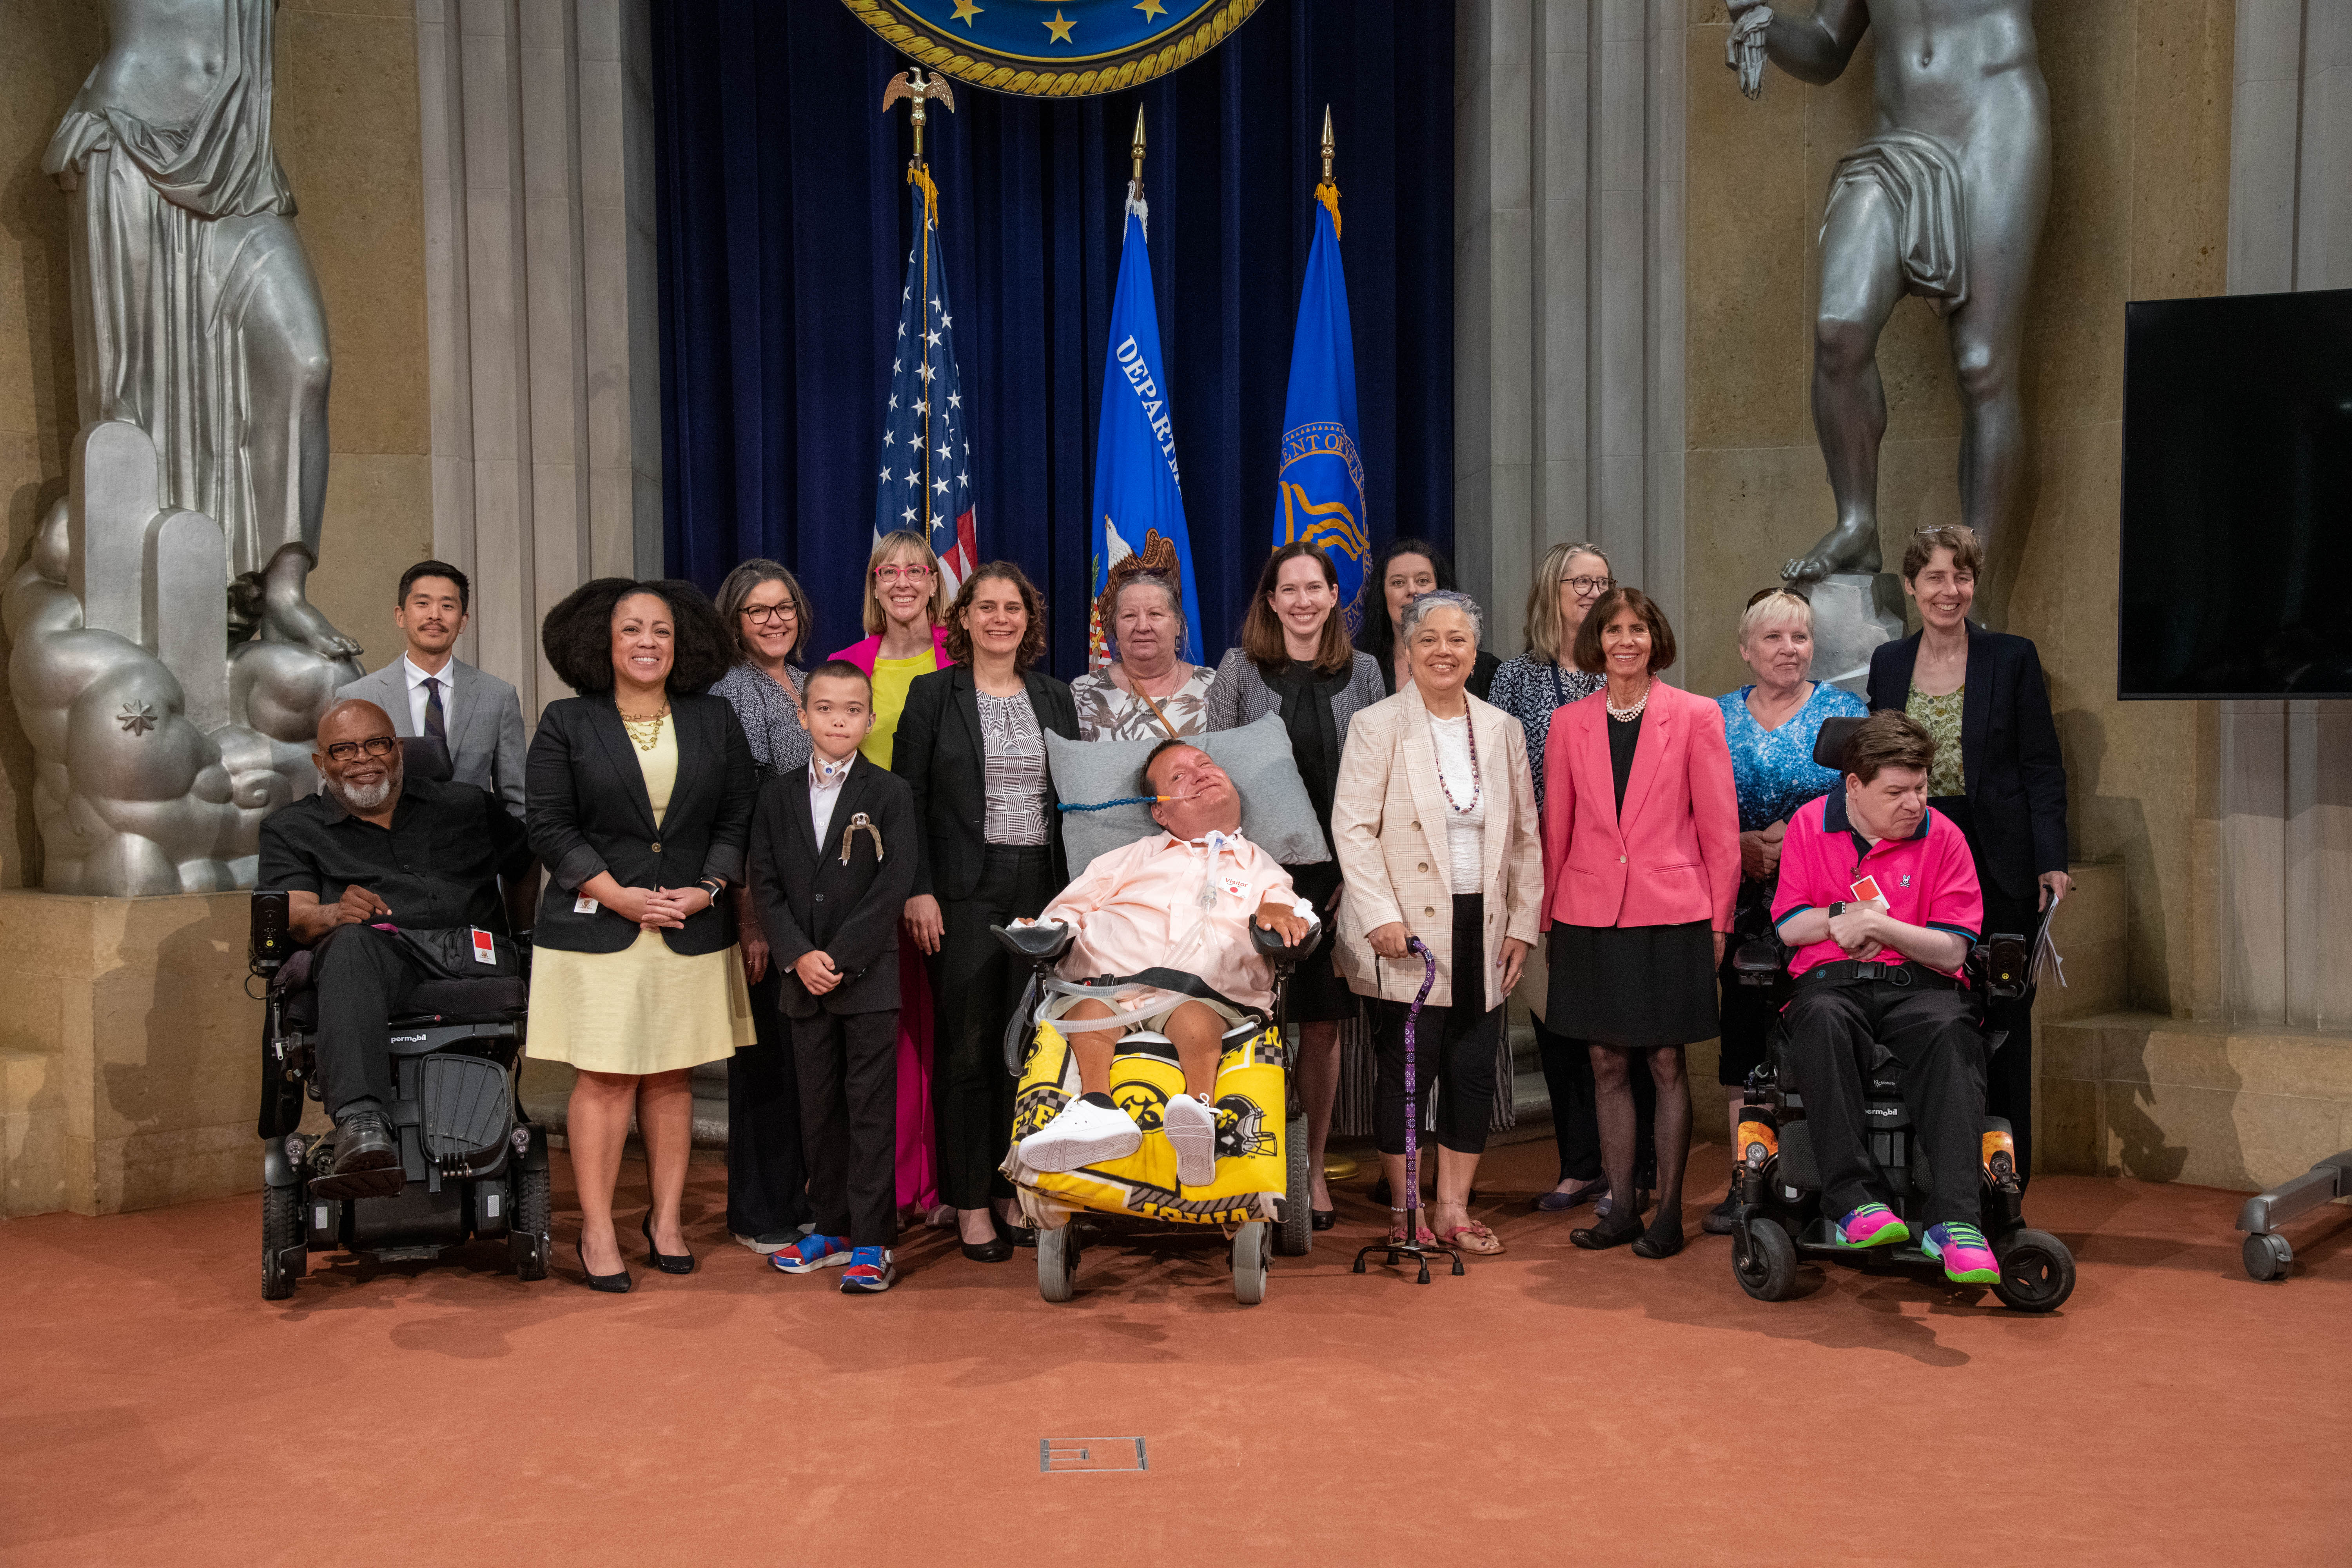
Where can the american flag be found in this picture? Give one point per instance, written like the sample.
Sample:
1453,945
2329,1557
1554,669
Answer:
925,480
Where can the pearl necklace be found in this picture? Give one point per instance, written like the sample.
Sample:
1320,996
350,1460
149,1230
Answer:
1627,715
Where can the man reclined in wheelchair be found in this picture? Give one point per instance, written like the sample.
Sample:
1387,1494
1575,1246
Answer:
1171,917
1879,900
392,882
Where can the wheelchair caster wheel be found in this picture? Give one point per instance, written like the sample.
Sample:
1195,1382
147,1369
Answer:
2037,1272
1296,1237
526,1238
283,1253
1058,1263
1764,1260
2268,1256
1253,1246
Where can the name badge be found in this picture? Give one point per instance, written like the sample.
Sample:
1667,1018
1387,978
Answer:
1866,891
485,950
583,905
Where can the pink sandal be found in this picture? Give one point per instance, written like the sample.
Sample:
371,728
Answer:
1472,1237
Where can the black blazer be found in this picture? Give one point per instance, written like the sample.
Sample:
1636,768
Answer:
808,899
2009,748
1482,674
586,803
937,752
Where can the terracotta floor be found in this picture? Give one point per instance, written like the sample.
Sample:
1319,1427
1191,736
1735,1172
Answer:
1552,1406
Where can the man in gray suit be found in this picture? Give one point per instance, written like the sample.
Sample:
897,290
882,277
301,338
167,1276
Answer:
428,690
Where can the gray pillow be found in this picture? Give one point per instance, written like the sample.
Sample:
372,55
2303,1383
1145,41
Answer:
1276,813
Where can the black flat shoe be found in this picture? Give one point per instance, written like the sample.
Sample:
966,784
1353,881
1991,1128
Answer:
1018,1235
1323,1219
1720,1219
1663,1239
1608,1233
669,1263
995,1250
615,1284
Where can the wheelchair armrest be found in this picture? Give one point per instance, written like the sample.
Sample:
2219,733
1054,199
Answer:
1283,955
1039,944
2000,967
1759,961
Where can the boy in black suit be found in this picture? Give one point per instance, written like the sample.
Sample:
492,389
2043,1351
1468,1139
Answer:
832,866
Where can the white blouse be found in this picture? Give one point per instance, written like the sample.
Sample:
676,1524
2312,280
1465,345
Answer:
1465,831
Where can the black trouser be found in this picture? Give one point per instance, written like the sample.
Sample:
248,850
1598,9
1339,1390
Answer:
975,986
1575,1113
849,1070
1453,1049
364,977
2009,1082
765,1172
1835,1029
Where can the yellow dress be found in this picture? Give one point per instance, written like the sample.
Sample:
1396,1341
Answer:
891,678
644,1009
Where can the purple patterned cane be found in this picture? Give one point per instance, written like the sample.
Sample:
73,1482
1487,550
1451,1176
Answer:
1411,1106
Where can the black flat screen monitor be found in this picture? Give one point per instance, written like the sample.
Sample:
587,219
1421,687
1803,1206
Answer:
2237,515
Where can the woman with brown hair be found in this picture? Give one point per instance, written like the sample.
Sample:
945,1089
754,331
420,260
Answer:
1641,852
971,744
1296,659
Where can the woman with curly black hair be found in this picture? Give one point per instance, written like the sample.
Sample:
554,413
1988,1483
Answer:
971,743
639,798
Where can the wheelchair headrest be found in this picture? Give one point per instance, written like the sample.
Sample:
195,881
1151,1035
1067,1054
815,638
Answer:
1829,746
423,757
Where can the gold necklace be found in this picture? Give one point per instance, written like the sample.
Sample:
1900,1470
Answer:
646,731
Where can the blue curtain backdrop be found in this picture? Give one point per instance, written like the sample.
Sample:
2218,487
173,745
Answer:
784,227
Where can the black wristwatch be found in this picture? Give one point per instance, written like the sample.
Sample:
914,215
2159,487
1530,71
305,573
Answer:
1837,908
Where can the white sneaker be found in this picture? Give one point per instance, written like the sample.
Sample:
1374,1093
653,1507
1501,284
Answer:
1192,1129
1084,1133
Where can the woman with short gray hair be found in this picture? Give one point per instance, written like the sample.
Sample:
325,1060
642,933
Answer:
1149,692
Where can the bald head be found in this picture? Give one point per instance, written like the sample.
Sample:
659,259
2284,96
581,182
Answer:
358,756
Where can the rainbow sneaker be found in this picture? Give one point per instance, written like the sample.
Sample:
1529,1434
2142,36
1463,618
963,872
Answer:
1968,1259
1872,1224
811,1253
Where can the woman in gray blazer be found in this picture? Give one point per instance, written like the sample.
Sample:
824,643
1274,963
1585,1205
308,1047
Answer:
1294,660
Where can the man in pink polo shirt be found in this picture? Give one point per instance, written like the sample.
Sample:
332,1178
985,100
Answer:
1878,896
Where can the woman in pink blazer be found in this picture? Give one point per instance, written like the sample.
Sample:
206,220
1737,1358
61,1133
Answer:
1641,869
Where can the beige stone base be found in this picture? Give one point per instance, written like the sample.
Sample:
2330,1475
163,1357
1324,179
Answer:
2169,1100
130,1065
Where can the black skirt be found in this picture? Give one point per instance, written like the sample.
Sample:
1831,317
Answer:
1633,986
1316,993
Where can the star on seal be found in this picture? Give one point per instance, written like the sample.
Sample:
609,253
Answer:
136,717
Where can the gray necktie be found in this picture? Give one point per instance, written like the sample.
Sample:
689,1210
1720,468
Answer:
435,726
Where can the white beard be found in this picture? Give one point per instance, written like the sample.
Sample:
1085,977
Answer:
370,797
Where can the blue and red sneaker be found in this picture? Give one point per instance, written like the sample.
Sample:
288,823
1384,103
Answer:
811,1253
870,1272
1967,1259
1872,1224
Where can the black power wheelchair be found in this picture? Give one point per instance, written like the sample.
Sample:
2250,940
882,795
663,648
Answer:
1775,1183
1140,1189
474,1166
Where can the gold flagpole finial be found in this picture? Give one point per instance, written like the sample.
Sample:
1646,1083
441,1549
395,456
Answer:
1329,146
918,91
1138,149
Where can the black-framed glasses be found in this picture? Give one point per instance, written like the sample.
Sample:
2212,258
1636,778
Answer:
1591,585
769,614
349,750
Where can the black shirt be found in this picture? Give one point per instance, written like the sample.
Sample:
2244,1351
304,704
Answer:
1624,735
437,866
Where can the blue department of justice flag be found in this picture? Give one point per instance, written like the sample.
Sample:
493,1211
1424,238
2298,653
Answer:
926,480
1138,507
1322,479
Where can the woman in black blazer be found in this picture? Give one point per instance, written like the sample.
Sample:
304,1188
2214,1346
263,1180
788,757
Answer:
1997,774
971,744
638,796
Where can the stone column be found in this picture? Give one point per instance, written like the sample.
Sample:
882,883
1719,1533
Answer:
538,142
2286,871
1569,293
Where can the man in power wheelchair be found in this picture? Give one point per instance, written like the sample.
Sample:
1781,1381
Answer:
396,997
1883,1043
1158,969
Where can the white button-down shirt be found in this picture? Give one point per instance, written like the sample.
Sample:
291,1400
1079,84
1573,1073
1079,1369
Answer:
826,780
419,698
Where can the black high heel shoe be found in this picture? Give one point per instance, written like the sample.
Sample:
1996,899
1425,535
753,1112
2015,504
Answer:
667,1262
615,1284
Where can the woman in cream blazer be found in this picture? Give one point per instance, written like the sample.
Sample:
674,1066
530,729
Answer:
1434,823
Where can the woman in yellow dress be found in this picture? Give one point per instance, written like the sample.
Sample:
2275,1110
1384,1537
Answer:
638,797
907,595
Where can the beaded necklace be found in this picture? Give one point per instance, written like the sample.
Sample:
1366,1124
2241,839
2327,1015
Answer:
1477,785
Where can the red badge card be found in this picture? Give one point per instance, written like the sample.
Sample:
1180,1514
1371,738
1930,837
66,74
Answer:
1866,891
485,950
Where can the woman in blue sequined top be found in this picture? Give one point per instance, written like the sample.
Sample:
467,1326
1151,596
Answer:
1771,725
